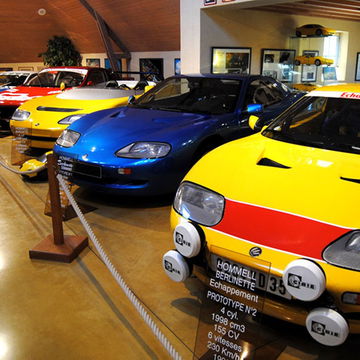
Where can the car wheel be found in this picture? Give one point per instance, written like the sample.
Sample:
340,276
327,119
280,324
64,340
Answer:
298,33
318,32
297,62
317,62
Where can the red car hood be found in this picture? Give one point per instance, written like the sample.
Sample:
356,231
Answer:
20,94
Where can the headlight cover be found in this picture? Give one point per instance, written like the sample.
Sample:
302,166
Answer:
68,138
199,204
345,252
20,115
70,119
144,150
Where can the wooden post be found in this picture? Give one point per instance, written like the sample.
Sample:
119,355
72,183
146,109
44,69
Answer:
54,193
56,246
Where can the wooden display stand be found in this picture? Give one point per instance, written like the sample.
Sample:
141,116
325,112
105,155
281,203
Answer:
56,246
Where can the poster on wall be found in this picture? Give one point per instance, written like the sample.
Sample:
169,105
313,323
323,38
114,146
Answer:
357,70
93,62
230,60
309,72
177,66
154,68
278,64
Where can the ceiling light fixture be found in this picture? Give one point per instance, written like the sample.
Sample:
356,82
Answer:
41,12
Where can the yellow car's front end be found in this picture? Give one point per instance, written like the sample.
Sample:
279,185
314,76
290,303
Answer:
42,120
282,204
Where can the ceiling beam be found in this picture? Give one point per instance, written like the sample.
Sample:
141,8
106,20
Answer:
106,34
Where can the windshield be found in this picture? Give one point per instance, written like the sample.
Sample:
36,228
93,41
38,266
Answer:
12,80
325,122
55,78
193,95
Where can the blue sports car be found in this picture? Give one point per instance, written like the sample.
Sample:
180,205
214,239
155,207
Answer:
147,147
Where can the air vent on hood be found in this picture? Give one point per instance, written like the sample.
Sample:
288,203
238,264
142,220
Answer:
47,108
269,162
350,179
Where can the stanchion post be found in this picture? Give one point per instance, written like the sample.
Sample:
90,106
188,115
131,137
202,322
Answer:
56,246
55,202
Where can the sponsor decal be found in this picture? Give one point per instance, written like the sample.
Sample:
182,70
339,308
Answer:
179,239
320,329
350,95
169,267
296,281
255,251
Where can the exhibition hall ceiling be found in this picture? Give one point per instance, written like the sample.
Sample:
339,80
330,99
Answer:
142,25
334,9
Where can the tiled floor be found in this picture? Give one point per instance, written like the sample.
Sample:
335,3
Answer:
51,310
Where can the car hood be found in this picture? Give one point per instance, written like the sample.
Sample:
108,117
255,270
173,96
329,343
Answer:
48,110
113,129
310,182
20,94
289,197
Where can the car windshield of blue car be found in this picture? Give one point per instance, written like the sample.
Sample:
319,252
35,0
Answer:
325,122
192,95
55,78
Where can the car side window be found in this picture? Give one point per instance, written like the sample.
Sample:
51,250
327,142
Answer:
263,92
96,77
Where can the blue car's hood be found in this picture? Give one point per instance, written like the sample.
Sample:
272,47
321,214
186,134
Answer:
114,128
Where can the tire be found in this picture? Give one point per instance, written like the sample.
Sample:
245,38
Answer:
317,62
298,33
318,32
297,62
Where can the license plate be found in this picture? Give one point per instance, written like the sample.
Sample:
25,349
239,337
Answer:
274,285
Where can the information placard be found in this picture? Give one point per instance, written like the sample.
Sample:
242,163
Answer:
233,300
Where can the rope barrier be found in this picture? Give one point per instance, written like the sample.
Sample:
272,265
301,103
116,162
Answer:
128,292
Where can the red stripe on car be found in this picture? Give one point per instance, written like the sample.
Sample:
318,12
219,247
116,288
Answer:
276,229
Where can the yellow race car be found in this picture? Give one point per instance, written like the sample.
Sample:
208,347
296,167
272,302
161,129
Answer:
312,60
42,120
314,30
276,213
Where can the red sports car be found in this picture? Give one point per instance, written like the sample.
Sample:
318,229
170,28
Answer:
49,81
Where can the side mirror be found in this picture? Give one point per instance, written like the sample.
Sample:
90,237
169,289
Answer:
256,123
131,99
254,108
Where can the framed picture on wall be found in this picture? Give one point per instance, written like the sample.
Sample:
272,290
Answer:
230,60
309,72
154,68
278,63
93,62
357,70
177,66
108,65
210,2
